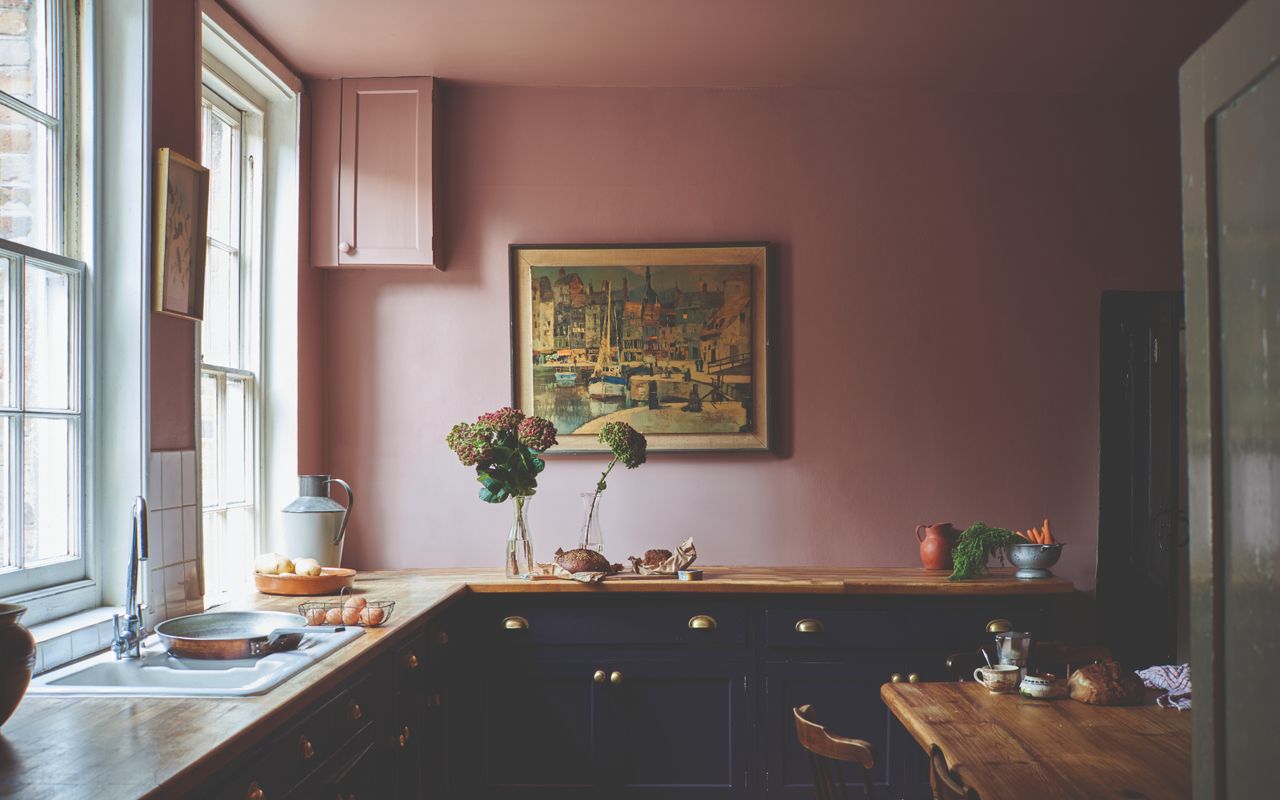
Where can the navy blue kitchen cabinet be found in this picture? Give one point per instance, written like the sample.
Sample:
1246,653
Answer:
690,696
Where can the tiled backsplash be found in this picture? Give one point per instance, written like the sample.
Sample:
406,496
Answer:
174,550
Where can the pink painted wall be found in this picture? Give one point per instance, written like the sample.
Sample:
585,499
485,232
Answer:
941,262
175,123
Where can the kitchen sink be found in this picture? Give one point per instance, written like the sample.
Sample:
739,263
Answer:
158,674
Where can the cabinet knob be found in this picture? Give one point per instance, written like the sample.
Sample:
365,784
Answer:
999,626
701,622
515,624
344,247
913,678
404,736
809,626
895,678
254,792
599,676
353,712
411,661
306,751
615,678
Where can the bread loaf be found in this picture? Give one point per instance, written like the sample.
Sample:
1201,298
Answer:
1106,683
653,558
583,561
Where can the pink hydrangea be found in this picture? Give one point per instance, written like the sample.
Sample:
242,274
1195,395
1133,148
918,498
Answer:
536,433
504,419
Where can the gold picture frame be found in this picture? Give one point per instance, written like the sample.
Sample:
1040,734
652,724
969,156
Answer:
673,339
181,219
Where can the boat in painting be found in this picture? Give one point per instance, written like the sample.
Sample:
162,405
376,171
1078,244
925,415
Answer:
566,377
606,382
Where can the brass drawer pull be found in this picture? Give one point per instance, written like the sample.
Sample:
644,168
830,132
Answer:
895,678
913,678
442,637
515,624
999,626
599,676
411,661
615,678
701,622
306,751
254,792
404,736
353,712
809,626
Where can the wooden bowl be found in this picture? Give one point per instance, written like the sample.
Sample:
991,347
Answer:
331,580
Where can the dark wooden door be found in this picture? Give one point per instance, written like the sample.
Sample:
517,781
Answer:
679,727
1140,477
1230,105
845,696
542,724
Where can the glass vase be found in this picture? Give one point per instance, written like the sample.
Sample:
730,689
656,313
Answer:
591,536
519,542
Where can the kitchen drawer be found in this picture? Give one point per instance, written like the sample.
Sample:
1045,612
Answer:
711,623
930,628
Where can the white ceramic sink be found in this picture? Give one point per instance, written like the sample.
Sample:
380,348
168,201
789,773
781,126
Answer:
157,674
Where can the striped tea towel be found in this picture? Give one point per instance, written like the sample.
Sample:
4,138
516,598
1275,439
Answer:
1174,680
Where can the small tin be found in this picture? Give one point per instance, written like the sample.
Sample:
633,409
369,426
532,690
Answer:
689,575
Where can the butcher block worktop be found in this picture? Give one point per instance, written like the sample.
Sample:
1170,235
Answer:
105,747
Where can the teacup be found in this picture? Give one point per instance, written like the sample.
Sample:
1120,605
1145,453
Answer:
999,679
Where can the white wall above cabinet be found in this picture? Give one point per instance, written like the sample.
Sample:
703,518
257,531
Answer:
372,203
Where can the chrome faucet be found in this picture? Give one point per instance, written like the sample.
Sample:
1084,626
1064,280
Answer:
127,641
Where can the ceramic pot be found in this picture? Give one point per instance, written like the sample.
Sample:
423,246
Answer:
17,658
936,543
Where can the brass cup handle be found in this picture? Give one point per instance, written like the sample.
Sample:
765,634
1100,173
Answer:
913,678
809,626
999,626
895,678
353,712
599,676
615,678
404,736
411,661
515,624
254,793
306,750
702,622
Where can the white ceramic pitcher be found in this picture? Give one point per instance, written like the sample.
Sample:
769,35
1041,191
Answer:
314,524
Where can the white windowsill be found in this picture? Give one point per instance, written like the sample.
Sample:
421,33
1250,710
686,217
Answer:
75,636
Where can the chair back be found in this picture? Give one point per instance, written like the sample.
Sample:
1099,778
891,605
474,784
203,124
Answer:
827,755
946,785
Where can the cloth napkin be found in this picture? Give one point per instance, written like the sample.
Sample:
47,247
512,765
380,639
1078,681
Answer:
1173,680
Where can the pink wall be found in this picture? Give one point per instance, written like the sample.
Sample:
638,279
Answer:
941,262
175,123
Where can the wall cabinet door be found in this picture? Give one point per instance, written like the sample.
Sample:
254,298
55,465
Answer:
678,727
372,172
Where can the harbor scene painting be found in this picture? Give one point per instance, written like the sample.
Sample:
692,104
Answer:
667,340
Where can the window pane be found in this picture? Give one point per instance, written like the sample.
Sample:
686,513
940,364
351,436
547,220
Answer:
6,475
209,440
221,156
6,370
47,330
47,494
220,333
27,179
235,485
25,53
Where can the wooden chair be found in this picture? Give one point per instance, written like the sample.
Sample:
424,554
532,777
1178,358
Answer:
946,785
827,752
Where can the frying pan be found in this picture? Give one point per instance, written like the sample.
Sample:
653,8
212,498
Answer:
232,634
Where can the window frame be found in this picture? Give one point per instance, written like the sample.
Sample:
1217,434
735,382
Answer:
231,96
66,582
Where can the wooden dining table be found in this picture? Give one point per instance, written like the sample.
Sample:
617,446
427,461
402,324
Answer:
1005,746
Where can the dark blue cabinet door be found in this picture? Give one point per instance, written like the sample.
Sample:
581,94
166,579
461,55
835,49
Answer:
541,729
845,696
679,727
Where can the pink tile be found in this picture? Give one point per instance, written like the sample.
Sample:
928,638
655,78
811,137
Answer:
191,582
189,477
171,479
175,595
190,533
171,523
155,485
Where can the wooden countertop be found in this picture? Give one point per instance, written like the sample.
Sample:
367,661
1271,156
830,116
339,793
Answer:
1009,746
57,747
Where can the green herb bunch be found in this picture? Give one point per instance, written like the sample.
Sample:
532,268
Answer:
976,544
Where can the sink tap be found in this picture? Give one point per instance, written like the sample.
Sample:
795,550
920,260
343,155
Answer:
127,641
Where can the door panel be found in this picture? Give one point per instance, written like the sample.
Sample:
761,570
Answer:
679,727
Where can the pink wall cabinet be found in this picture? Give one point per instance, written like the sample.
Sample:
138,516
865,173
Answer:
371,172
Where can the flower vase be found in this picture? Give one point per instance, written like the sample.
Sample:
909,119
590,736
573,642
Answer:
520,562
592,536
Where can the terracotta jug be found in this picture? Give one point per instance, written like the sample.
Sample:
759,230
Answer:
936,543
17,658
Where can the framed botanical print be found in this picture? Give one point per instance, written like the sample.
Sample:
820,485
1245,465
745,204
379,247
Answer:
671,338
181,207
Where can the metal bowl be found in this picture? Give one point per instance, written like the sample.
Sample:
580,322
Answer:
1033,560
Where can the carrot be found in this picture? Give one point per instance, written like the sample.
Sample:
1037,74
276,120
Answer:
1047,534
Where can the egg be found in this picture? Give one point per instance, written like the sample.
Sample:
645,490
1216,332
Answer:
350,616
333,616
372,616
357,602
315,616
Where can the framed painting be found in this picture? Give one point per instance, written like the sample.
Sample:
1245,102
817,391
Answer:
181,207
670,338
